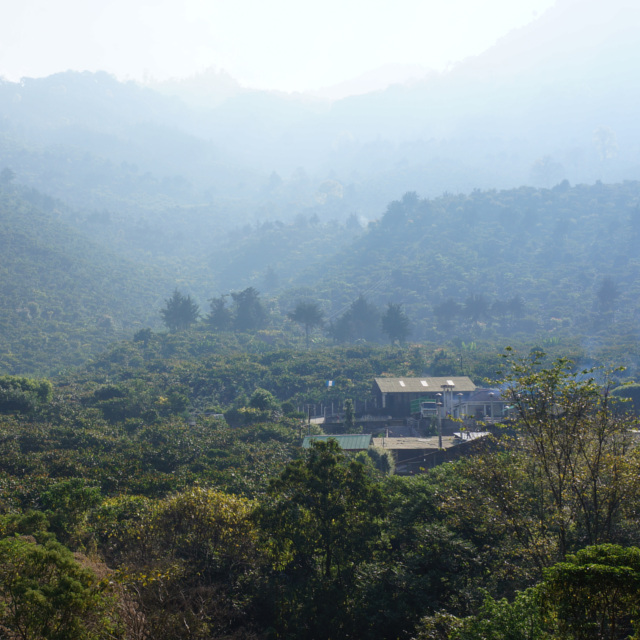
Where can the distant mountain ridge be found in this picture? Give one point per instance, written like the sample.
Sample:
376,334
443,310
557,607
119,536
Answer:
215,198
553,92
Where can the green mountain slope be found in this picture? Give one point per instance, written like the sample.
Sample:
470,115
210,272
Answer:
526,264
568,254
61,297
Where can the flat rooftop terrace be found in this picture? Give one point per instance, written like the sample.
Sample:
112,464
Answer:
430,442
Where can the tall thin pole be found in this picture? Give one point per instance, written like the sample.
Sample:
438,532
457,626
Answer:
438,406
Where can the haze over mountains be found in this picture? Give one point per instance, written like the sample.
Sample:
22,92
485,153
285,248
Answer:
196,274
163,174
552,100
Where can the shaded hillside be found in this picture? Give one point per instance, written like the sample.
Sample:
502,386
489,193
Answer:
63,298
103,143
527,264
145,173
568,255
270,256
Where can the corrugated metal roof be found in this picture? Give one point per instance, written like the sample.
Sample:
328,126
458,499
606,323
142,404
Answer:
424,384
348,442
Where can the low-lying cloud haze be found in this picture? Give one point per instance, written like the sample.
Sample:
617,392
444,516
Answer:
284,45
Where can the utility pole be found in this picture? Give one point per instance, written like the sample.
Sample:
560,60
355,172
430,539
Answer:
438,407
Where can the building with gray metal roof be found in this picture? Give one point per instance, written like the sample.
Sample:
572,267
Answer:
402,396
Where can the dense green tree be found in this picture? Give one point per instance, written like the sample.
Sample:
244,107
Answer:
381,459
500,310
270,280
398,211
309,315
24,395
410,200
349,416
180,312
594,594
395,323
325,511
445,313
220,316
364,318
361,321
143,335
606,294
191,564
520,619
263,400
322,521
476,307
67,504
47,595
516,306
250,313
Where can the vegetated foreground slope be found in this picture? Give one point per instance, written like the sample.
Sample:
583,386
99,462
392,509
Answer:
200,528
63,298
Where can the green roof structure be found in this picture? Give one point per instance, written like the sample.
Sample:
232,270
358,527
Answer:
347,442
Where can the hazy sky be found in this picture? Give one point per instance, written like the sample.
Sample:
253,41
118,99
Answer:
276,44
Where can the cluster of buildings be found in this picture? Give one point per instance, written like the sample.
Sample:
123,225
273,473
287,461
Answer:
427,420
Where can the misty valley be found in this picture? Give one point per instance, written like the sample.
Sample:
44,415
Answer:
279,366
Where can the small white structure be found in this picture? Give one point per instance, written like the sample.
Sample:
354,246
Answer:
483,404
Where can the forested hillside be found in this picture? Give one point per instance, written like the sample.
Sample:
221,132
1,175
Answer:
540,106
528,264
132,508
195,275
160,489
63,297
491,265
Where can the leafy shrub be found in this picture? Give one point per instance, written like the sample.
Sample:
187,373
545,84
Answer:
46,593
23,395
630,392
